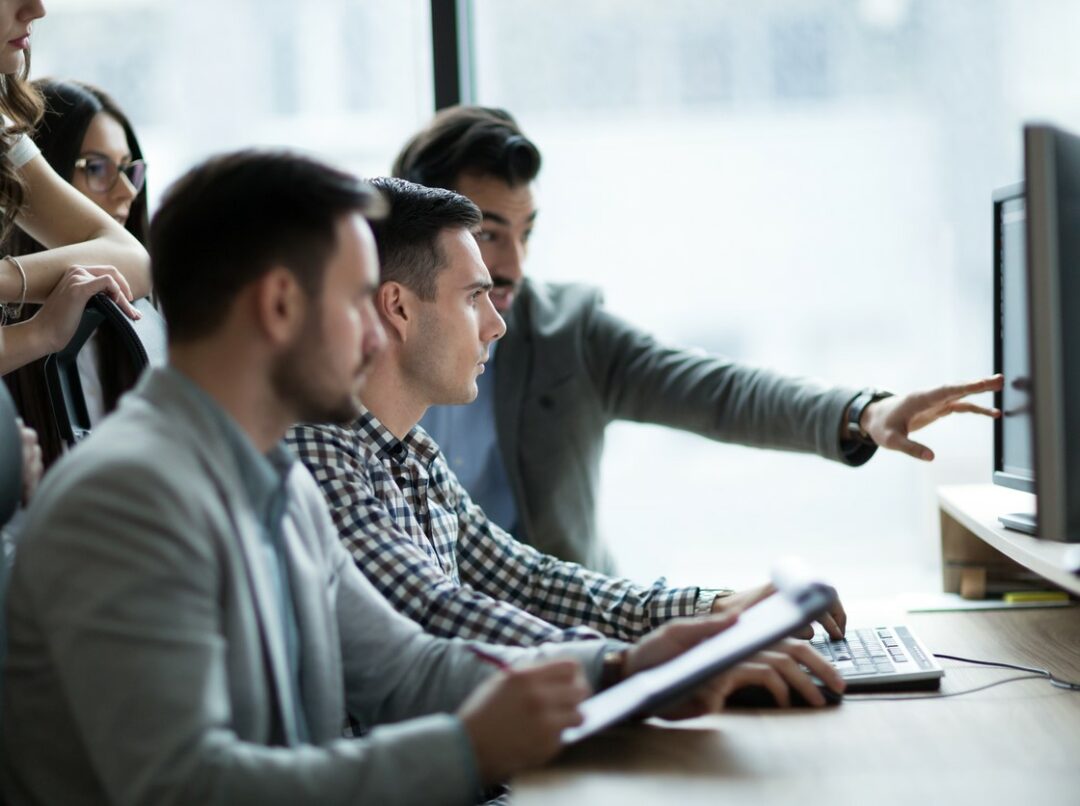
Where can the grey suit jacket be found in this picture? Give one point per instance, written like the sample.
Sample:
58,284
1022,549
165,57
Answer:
146,667
567,367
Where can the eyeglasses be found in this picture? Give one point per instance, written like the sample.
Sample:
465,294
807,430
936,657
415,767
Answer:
102,173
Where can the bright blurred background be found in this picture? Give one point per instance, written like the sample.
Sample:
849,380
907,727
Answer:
803,184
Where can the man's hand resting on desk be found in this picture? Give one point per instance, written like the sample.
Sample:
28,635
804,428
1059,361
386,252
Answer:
834,621
514,720
891,421
778,669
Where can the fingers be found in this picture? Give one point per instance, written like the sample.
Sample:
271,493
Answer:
554,691
109,271
758,672
118,289
838,616
832,627
781,670
898,442
818,666
971,408
992,384
33,465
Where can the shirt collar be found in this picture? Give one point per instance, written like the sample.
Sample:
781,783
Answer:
416,443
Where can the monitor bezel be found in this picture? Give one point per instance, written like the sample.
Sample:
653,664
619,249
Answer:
1000,476
1054,337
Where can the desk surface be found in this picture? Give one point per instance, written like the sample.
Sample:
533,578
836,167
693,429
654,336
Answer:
1018,743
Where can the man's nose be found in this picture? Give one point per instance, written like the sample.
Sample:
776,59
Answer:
494,326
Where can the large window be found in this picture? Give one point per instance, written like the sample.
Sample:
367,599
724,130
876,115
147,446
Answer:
348,80
804,185
801,184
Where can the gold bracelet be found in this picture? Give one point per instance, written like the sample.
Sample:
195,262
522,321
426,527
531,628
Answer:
10,311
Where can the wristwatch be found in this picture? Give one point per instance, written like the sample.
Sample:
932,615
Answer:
853,429
613,670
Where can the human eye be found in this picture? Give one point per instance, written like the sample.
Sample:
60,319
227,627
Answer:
484,236
97,167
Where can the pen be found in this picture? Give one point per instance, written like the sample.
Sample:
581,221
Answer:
498,663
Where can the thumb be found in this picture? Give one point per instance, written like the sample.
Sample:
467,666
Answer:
914,449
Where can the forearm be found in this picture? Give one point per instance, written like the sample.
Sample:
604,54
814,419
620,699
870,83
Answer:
566,594
418,589
44,269
617,608
637,378
22,343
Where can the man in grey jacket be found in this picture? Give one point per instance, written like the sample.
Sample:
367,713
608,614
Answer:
528,450
184,626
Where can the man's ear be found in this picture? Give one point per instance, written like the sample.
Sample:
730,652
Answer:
281,305
396,305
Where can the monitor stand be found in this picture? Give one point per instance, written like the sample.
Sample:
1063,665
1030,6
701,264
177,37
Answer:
1021,522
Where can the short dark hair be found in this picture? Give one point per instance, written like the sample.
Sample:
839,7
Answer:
228,221
407,236
469,139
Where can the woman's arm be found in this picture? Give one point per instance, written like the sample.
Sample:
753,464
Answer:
52,327
75,232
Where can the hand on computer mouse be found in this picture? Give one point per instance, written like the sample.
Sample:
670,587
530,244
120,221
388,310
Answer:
761,697
782,673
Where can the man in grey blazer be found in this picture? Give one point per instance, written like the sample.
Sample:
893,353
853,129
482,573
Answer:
184,626
528,451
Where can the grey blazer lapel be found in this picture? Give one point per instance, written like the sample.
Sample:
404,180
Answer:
320,666
247,533
174,400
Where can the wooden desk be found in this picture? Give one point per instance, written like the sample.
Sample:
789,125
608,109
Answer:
1015,744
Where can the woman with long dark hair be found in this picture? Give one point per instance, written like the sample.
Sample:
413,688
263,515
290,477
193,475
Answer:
89,142
85,251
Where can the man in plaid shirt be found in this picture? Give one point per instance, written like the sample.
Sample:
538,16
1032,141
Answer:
402,514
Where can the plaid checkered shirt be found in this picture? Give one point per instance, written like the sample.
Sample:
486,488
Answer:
415,533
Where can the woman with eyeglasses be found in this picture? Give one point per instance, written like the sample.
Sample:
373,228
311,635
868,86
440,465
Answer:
89,141
85,250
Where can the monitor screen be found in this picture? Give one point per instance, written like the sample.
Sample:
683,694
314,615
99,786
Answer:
1014,453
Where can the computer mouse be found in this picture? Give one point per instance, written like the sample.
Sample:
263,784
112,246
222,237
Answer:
761,697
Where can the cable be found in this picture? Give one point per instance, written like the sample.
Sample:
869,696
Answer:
1054,681
870,697
1034,674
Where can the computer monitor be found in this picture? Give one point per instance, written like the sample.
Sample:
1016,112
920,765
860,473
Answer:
1052,189
1014,448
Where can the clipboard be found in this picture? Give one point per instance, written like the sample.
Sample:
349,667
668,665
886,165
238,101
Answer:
799,599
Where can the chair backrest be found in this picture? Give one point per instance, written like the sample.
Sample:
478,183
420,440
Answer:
143,341
11,480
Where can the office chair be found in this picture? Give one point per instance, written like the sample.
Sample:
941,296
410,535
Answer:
11,482
142,341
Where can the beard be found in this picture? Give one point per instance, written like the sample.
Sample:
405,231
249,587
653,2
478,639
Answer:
304,379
